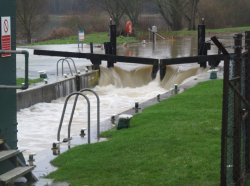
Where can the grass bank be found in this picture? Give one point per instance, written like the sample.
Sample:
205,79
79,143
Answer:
95,38
176,142
183,33
102,37
19,81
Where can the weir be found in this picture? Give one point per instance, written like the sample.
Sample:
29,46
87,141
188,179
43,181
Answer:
157,64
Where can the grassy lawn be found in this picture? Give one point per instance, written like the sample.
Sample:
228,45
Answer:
19,81
95,38
183,33
176,142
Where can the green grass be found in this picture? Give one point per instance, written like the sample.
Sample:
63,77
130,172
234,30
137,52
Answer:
19,81
230,30
95,38
176,142
101,37
183,33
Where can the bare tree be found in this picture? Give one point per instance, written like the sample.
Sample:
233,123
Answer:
191,10
172,12
114,9
30,16
133,10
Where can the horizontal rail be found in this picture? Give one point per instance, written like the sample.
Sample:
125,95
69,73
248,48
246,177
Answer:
195,59
105,57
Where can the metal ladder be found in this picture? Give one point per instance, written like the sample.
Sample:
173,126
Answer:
17,167
67,59
77,94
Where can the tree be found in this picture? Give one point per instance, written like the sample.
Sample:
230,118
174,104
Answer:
191,8
114,9
133,10
172,12
30,16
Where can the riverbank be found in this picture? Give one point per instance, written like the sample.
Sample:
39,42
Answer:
176,142
101,37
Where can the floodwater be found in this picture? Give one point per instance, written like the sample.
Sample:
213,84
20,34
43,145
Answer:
119,88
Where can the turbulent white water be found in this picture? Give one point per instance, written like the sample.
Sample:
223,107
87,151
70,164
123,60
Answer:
119,89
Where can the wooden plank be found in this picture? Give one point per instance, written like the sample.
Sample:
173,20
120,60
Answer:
15,173
6,154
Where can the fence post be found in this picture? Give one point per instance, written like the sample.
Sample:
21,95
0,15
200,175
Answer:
113,39
201,42
110,47
91,47
247,94
237,149
224,131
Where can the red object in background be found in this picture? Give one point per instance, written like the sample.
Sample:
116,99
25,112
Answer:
128,27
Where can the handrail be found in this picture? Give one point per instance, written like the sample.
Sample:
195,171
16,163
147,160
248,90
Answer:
58,64
68,66
67,61
63,59
73,62
98,109
26,78
72,113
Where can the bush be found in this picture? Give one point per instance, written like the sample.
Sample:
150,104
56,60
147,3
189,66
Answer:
60,33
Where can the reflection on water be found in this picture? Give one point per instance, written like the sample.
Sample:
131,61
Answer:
173,47
169,48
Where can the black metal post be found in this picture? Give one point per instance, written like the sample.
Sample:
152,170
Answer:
202,49
247,94
91,48
110,47
224,130
113,39
237,149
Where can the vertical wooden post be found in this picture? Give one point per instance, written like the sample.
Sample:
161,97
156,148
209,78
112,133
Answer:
201,41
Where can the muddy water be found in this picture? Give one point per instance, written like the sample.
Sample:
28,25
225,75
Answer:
119,88
169,48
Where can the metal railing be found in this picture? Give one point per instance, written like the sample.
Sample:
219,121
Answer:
77,94
235,137
26,73
98,108
67,59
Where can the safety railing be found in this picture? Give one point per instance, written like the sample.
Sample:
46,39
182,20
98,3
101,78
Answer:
26,73
77,94
68,63
98,108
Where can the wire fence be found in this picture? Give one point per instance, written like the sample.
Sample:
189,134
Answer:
235,150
